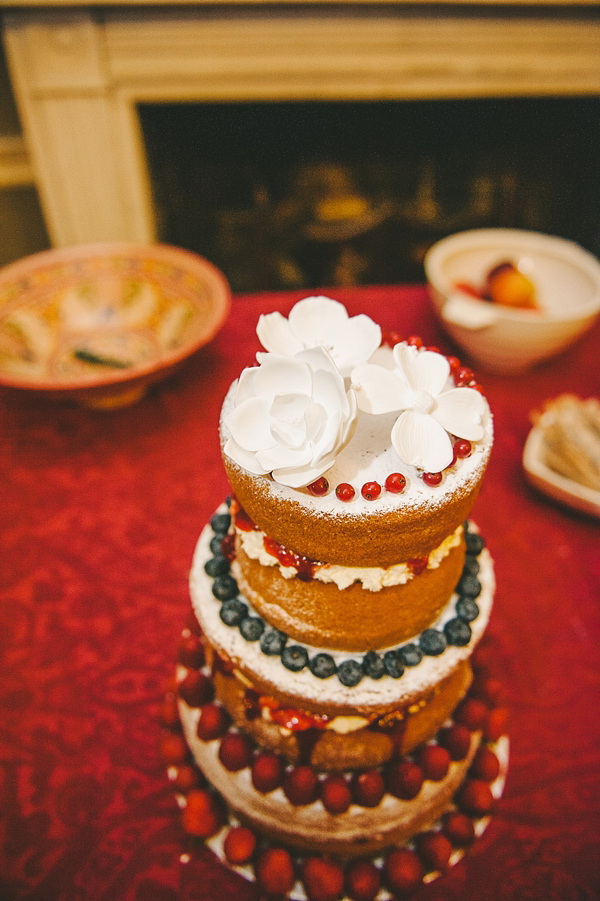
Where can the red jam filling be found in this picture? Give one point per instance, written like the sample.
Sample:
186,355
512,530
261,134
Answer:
286,717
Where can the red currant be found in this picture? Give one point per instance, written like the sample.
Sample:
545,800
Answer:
395,483
363,880
432,478
392,338
414,341
239,845
463,376
371,491
319,487
344,491
454,363
462,448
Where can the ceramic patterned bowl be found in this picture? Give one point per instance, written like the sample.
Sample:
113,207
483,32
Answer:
506,339
99,323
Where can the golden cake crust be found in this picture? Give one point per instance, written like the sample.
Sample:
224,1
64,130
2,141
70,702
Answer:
352,619
377,538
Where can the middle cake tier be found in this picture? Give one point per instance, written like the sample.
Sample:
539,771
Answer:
348,608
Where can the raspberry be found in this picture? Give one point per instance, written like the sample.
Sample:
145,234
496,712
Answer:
362,880
213,722
459,828
335,794
485,765
196,689
403,872
191,652
435,850
274,871
496,724
301,785
323,879
368,788
235,751
239,845
267,772
472,714
202,815
456,739
434,761
475,797
404,779
173,747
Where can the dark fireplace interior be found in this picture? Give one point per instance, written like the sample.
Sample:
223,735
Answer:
308,194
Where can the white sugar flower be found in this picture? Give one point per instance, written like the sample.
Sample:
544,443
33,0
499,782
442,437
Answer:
430,414
291,418
320,322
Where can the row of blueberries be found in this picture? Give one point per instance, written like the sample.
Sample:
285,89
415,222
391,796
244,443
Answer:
432,642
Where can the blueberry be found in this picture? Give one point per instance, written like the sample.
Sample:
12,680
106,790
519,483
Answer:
410,654
216,544
373,665
467,609
475,543
252,627
233,612
469,586
457,632
471,566
216,566
350,672
220,523
272,642
294,658
322,666
393,664
225,587
432,642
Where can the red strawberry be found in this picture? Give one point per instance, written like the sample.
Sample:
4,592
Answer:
274,871
267,772
323,879
362,880
459,828
404,779
403,872
434,761
213,722
368,788
435,850
239,845
335,794
202,815
301,785
235,751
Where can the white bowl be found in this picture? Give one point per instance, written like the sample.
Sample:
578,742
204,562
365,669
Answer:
504,339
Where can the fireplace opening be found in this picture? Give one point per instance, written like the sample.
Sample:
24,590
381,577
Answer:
308,194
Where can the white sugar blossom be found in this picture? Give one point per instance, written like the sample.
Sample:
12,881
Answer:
291,418
320,322
430,411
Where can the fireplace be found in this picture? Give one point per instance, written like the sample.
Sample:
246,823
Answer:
449,116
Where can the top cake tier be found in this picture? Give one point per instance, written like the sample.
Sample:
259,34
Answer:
352,452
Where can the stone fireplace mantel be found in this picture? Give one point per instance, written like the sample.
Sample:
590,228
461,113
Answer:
80,71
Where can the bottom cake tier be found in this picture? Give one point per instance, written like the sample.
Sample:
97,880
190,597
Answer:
368,835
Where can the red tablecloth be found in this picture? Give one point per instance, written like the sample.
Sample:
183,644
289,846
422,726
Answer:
100,513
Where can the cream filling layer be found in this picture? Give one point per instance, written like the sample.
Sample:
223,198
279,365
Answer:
372,578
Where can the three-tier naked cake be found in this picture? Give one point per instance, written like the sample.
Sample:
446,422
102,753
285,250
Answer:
337,737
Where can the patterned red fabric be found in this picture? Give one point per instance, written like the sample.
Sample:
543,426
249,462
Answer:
100,513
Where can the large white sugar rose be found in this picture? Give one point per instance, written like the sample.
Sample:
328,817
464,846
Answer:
430,411
291,418
320,322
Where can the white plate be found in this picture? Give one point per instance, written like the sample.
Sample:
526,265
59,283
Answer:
552,483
